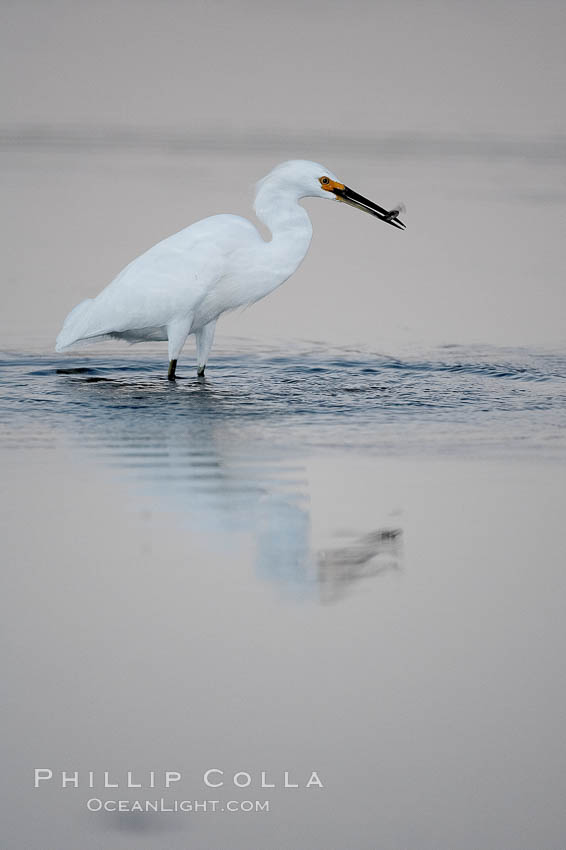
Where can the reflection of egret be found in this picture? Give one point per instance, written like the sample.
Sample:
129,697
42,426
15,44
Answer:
193,458
190,455
183,284
369,555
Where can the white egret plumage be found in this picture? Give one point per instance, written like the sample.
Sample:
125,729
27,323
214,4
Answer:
184,283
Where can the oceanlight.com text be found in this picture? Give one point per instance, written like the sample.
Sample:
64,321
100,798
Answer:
95,804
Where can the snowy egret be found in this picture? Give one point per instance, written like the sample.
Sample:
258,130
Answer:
184,283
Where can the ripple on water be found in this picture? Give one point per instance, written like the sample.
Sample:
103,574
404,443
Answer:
228,455
456,400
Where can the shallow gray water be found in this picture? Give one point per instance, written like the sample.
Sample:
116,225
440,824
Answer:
453,398
231,450
316,559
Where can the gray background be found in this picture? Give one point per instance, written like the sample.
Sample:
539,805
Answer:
136,118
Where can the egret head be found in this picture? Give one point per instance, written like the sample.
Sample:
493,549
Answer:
306,179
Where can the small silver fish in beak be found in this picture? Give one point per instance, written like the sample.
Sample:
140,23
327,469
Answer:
348,196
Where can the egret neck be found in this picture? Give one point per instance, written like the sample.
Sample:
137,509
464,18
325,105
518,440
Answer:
277,206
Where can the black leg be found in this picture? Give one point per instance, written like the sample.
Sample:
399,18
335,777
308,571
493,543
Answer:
200,372
171,372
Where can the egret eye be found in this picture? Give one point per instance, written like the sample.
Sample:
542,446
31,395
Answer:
325,181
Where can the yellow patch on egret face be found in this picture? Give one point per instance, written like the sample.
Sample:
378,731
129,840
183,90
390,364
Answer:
329,185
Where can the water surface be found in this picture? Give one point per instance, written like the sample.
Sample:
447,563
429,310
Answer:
317,558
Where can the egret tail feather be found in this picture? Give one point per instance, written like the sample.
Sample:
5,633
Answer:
75,325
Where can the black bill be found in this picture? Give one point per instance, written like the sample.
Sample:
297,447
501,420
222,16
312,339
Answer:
348,196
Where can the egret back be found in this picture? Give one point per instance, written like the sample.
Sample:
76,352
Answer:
169,280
